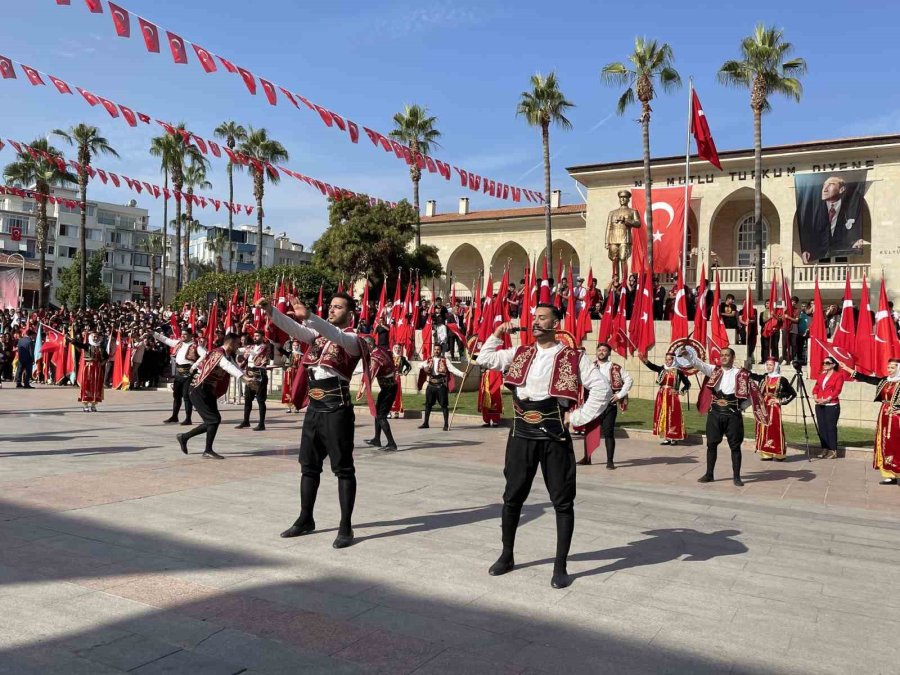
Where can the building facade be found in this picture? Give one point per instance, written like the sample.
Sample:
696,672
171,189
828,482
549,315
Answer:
277,250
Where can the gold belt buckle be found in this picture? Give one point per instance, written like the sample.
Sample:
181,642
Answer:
532,417
317,394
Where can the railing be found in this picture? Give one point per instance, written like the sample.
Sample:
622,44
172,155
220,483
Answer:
738,276
836,273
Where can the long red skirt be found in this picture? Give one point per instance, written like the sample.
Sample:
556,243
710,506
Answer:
668,421
91,382
397,405
490,402
887,441
289,375
770,438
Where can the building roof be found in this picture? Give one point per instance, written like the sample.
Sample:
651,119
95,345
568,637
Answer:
498,214
805,146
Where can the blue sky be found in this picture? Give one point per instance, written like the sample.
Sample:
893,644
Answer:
467,61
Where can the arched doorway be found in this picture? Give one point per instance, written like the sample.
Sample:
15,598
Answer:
464,265
732,236
513,253
565,251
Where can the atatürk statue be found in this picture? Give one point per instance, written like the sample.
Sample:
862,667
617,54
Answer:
618,233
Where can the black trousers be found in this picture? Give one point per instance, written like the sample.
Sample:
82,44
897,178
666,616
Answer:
382,411
608,429
770,346
256,393
181,391
207,406
437,395
327,434
23,373
827,420
728,425
557,462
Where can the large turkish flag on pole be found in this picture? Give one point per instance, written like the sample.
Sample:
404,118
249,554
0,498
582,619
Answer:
668,230
887,346
864,352
679,318
845,335
706,147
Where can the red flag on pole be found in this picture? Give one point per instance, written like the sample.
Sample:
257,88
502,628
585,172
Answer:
699,333
605,330
364,308
679,318
864,351
817,334
545,284
584,316
718,338
887,346
571,314
668,206
706,147
845,335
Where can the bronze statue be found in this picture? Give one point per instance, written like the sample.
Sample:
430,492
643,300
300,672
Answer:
619,224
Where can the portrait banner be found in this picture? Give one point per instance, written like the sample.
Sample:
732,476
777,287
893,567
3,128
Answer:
829,214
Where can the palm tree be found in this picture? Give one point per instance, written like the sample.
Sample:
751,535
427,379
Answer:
763,70
542,106
154,245
176,154
194,177
164,148
217,245
650,61
415,128
90,144
40,175
266,151
232,133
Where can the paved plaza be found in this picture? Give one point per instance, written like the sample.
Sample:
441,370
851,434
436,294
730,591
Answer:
120,554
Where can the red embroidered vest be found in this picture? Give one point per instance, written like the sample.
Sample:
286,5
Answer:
191,354
382,363
565,379
441,369
210,373
324,352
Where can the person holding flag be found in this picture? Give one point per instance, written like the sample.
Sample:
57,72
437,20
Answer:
293,354
776,392
401,367
668,419
438,372
887,428
620,382
93,364
257,358
187,352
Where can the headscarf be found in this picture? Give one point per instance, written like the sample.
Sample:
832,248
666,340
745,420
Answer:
776,371
896,376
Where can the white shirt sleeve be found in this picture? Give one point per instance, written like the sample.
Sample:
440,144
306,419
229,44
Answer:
201,351
705,368
292,328
453,369
169,342
196,365
349,341
600,393
627,382
492,358
230,368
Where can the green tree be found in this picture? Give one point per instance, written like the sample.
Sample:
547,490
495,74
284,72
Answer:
69,289
305,278
542,106
39,175
217,245
266,151
194,178
232,133
650,62
764,70
372,241
415,128
90,144
155,246
164,147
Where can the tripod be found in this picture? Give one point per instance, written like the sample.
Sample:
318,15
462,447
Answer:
799,386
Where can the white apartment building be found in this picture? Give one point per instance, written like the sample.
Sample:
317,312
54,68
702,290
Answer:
277,250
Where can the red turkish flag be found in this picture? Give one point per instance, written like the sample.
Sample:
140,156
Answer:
176,44
61,86
679,320
206,59
216,203
214,149
817,333
102,174
668,230
864,351
143,118
88,96
887,345
6,68
120,20
200,143
706,147
129,116
63,2
151,35
329,121
290,97
699,333
94,6
33,76
718,337
353,130
229,66
269,89
845,334
110,107
249,79
114,178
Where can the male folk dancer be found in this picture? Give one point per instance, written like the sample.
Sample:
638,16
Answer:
546,379
381,369
620,382
211,374
401,367
776,392
668,420
887,427
292,358
725,393
187,353
334,350
91,371
438,371
257,356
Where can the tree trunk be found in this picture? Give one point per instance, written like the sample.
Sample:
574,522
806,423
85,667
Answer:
648,187
178,278
757,197
548,231
165,253
152,278
418,215
219,268
42,254
259,221
186,244
82,239
230,213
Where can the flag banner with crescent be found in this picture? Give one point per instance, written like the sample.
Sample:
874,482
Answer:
845,334
668,229
865,344
887,345
839,354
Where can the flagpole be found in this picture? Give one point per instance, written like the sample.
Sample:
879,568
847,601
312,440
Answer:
687,180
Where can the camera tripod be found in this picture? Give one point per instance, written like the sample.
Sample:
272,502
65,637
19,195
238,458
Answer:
799,386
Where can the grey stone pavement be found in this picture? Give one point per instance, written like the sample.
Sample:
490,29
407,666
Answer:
119,554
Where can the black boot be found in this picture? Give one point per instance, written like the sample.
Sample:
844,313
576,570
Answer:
509,523
425,417
309,488
565,527
446,412
736,467
710,465
610,444
347,498
389,435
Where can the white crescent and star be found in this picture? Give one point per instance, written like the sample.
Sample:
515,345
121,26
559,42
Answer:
878,317
121,16
150,34
679,296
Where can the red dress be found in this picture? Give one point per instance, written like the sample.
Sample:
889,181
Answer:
668,420
290,372
775,392
397,405
91,373
887,429
490,403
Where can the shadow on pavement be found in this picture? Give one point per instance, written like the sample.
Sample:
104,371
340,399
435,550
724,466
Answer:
76,452
650,461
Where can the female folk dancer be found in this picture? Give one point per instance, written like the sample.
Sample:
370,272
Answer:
401,367
776,392
887,428
92,370
292,358
668,420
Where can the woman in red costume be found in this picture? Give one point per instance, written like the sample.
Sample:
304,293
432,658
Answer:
887,428
668,420
91,371
776,391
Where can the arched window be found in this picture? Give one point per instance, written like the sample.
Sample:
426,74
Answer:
746,241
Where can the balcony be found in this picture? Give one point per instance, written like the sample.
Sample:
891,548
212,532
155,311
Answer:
830,276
